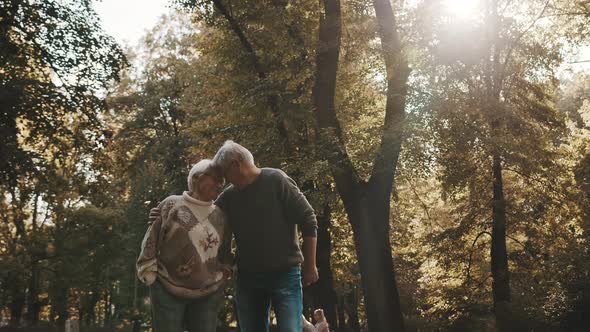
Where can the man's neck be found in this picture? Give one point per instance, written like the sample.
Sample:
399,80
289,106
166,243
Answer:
251,173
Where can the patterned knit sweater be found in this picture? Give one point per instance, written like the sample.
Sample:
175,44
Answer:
186,247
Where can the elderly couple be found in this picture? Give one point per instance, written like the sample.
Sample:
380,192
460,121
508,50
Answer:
186,252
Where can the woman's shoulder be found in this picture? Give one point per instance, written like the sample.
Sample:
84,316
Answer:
217,218
172,199
217,213
169,202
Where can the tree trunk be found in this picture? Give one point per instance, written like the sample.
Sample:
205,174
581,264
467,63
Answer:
325,286
500,273
367,204
90,305
352,305
107,311
33,305
499,255
341,318
371,236
17,305
60,301
11,93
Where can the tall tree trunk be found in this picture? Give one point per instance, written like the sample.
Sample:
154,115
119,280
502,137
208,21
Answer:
17,304
107,306
90,305
34,306
352,305
11,93
60,301
499,255
325,285
341,310
373,248
367,203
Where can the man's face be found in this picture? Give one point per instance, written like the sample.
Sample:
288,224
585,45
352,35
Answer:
232,173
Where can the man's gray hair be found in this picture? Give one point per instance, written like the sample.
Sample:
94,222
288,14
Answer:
198,169
229,152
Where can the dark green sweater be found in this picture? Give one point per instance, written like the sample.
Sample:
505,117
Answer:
264,217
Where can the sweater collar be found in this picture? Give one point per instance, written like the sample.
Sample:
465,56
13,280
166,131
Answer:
187,197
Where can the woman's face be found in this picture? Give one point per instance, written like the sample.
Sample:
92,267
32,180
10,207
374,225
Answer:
208,186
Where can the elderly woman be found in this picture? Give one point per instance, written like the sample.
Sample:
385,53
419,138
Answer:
185,256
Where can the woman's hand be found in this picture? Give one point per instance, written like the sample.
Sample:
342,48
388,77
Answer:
227,271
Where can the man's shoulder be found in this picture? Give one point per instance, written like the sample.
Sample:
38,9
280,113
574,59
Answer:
224,196
274,173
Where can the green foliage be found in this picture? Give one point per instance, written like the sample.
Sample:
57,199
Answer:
78,178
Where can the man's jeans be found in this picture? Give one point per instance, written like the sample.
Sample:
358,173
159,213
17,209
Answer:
172,314
256,291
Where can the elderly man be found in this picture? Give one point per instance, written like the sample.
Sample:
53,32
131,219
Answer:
263,207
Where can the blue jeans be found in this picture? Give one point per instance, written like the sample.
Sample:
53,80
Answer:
256,291
171,313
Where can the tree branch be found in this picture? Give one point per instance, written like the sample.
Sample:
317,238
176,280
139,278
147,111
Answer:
398,71
330,133
272,98
468,272
522,34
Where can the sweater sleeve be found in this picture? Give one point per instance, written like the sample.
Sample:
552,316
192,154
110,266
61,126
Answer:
147,266
297,208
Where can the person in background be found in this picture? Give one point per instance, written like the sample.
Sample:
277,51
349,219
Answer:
321,324
185,256
307,326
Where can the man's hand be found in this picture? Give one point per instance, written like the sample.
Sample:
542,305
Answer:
310,275
310,271
154,214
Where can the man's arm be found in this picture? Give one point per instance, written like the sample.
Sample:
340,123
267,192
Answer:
310,270
297,208
300,211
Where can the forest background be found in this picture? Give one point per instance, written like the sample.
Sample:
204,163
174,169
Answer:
444,145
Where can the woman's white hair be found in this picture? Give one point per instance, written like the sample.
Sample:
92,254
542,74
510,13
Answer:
229,152
198,169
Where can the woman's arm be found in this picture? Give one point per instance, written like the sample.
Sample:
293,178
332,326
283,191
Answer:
147,267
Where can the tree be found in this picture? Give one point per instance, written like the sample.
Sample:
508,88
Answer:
367,203
54,58
490,97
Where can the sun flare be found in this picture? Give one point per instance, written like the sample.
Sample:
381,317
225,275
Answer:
461,8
